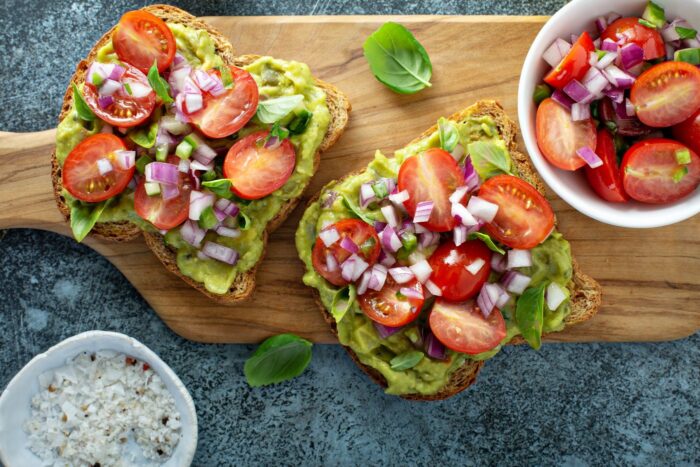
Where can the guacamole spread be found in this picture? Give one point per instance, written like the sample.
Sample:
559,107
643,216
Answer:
339,200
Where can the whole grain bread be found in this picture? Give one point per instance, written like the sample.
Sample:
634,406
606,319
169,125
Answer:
586,293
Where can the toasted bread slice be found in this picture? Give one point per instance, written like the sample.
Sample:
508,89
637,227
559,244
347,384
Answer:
586,293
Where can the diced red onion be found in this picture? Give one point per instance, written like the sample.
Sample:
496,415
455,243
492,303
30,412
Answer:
177,78
595,82
364,282
615,95
471,177
386,259
618,78
220,252
459,194
169,191
629,108
502,299
192,233
379,226
204,153
519,259
670,51
117,72
228,232
173,126
109,87
410,292
391,216
607,60
434,348
399,198
105,101
462,214
330,198
162,172
104,166
408,226
139,90
601,24
183,166
197,165
353,267
219,214
389,183
556,52
475,266
475,228
422,271
203,80
125,159
515,282
228,207
428,239
488,296
580,112
331,262
401,274
423,211
385,331
433,288
460,234
609,45
193,103
631,55
367,195
390,239
348,245
562,99
199,202
377,277
102,70
482,209
273,143
329,236
588,155
498,262
554,295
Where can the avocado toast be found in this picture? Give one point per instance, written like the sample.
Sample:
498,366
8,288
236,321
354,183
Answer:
193,127
401,339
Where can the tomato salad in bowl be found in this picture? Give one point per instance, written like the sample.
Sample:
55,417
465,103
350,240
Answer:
166,135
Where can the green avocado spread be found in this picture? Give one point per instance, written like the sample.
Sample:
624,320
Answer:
275,78
551,263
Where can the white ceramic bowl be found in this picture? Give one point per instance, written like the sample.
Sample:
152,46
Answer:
572,187
16,398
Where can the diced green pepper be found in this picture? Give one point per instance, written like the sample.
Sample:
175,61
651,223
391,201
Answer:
679,174
380,190
152,188
161,153
142,163
542,92
683,156
409,241
184,149
691,56
654,15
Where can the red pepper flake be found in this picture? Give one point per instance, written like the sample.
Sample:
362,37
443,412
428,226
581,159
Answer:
146,367
130,361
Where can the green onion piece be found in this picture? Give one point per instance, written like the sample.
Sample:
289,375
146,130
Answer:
81,106
300,122
686,33
209,175
192,140
683,156
691,56
142,163
152,188
679,174
208,219
184,150
542,92
654,15
409,241
601,54
97,80
127,88
380,190
161,153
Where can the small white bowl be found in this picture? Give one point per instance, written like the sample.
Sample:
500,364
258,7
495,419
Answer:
15,400
572,187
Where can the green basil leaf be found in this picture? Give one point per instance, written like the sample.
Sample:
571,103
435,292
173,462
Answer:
397,59
273,110
244,222
490,158
343,301
488,240
221,187
300,122
406,360
279,358
356,211
449,135
529,314
145,139
81,107
159,85
83,217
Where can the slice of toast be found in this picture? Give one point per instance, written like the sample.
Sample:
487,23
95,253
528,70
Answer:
586,293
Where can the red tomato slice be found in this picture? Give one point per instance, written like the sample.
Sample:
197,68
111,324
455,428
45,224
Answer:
648,169
164,215
631,31
606,180
142,38
524,219
462,328
81,175
558,137
449,263
256,171
389,307
574,65
432,175
667,94
126,110
688,132
361,233
227,113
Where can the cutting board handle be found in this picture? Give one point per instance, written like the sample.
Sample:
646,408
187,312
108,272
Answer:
26,191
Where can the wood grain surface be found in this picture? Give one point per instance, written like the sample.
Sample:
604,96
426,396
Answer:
650,278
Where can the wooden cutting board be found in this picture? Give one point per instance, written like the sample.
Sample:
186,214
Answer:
651,278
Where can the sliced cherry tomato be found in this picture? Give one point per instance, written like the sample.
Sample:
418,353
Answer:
361,233
574,65
667,94
630,30
606,180
81,174
227,113
256,171
558,137
649,168
450,262
432,175
688,132
164,215
389,306
463,328
126,110
142,38
524,219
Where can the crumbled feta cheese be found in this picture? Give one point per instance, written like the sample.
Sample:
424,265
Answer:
97,407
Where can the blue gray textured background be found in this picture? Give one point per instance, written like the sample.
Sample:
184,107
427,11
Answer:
633,404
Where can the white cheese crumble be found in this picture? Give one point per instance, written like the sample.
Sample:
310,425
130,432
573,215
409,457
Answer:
103,409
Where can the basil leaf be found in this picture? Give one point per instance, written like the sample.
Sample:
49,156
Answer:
159,85
81,106
487,240
279,358
490,158
83,217
300,122
397,59
145,139
244,222
277,131
355,209
343,301
221,187
529,314
272,110
406,360
449,135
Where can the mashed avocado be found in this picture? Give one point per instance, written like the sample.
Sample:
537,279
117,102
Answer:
551,262
275,78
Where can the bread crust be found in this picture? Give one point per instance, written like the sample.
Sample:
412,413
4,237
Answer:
586,293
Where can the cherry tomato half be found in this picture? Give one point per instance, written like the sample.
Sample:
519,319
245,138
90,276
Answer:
667,94
81,174
389,307
574,65
126,110
524,219
450,274
142,38
688,132
558,137
361,233
432,175
463,328
630,30
649,168
164,215
606,180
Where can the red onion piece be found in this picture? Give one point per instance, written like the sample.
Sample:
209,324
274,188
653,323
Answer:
554,296
204,153
386,259
162,172
399,198
618,78
609,45
348,245
475,266
183,166
109,87
487,298
428,239
515,282
460,234
601,23
482,209
433,288
220,252
192,233
385,331
580,112
104,166
329,236
434,348
353,267
169,191
228,232
390,239
364,282
367,195
228,207
463,215
423,211
631,55
410,292
556,52
615,95
422,270
199,202
401,274
331,262
498,262
591,158
105,101
562,99
519,259
607,60
391,216
377,277
125,159
459,194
